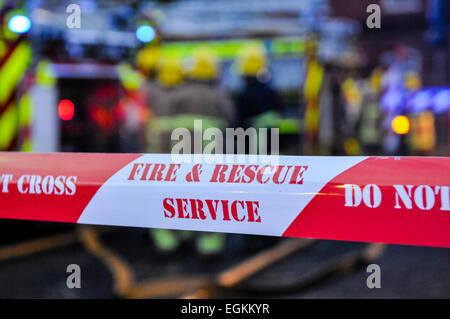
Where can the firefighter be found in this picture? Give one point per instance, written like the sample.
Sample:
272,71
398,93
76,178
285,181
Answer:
369,124
162,95
179,104
147,61
201,98
131,111
258,104
162,90
422,138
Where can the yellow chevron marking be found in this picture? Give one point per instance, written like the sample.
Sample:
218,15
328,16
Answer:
8,126
13,70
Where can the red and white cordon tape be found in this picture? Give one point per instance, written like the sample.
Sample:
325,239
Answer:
398,200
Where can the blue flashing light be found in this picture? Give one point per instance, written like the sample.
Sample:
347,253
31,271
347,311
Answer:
145,33
19,24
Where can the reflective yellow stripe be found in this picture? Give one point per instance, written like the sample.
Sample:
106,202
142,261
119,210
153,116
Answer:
229,49
25,111
130,79
168,123
2,48
26,145
266,120
25,120
313,80
8,126
45,75
272,119
13,70
351,91
289,126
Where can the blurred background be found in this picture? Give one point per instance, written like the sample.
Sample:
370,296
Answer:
119,76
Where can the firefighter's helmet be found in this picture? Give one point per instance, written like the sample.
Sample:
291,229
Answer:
170,71
252,60
147,59
204,65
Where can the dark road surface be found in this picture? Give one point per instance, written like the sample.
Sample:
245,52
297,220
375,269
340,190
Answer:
406,271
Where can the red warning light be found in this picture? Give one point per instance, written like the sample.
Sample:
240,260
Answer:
66,110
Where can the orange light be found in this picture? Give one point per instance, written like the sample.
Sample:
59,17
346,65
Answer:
400,125
66,110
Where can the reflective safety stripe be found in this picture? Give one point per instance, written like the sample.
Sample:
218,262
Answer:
131,79
45,75
313,81
266,120
210,243
2,49
25,120
27,146
274,120
164,125
169,123
25,110
8,126
289,126
13,70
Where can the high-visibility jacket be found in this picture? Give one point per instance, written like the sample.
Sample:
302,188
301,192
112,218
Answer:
180,107
423,134
370,131
14,111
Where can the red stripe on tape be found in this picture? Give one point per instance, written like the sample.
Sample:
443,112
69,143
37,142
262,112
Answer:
418,218
401,200
88,171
